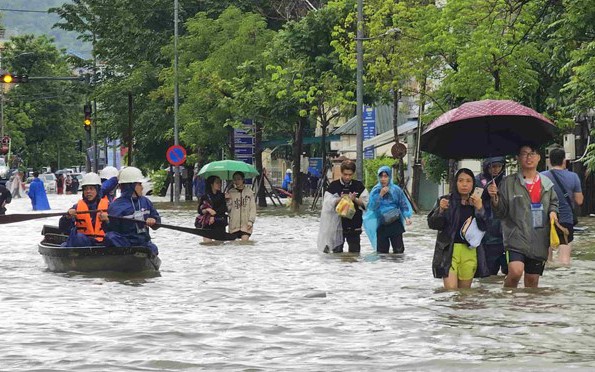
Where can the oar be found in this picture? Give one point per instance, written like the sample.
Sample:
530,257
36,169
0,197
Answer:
207,233
11,218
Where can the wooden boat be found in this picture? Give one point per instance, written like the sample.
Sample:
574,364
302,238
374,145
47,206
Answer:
94,259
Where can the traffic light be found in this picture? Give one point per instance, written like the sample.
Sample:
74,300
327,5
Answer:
79,145
87,122
8,78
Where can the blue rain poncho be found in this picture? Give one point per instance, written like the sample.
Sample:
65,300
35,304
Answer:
377,205
39,199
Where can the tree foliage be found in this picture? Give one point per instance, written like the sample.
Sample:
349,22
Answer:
43,118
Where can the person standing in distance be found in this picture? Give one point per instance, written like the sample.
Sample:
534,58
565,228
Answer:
568,188
525,202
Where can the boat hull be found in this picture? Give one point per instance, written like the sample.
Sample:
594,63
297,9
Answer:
94,259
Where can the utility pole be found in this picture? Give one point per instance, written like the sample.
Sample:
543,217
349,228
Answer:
417,171
360,92
176,101
129,131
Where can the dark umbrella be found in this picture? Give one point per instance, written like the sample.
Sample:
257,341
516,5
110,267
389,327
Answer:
486,128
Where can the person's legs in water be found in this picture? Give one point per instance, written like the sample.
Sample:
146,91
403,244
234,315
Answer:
339,249
354,243
382,244
463,267
397,242
516,268
494,257
565,250
533,270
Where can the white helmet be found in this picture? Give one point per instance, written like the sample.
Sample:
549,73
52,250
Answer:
108,172
130,175
288,170
91,179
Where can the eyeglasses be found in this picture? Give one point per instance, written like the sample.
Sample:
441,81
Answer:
528,154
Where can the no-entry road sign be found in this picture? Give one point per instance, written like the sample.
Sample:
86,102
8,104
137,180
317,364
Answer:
176,155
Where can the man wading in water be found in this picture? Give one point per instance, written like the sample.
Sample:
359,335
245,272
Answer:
523,202
351,228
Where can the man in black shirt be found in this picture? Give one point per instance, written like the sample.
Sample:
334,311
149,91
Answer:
352,228
5,198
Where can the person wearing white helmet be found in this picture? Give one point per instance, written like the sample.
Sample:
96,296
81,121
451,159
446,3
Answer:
286,185
131,204
109,181
85,229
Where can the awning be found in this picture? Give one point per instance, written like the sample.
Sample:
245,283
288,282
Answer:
307,141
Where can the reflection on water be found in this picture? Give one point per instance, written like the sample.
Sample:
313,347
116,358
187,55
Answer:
276,303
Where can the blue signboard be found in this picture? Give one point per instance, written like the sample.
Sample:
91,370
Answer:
369,130
315,164
244,142
249,141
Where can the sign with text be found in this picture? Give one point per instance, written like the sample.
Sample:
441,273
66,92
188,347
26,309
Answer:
243,139
369,130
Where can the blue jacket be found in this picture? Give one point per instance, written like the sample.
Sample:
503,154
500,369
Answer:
108,187
39,199
126,206
377,205
286,182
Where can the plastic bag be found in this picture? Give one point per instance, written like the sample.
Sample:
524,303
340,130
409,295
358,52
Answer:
330,234
471,232
345,207
554,238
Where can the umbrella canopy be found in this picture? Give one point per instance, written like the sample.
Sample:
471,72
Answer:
486,128
225,169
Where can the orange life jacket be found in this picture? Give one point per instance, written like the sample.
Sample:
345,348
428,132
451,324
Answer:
83,221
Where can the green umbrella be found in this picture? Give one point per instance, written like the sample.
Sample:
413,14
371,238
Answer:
225,169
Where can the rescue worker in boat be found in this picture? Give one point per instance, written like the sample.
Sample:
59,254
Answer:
109,181
132,205
85,229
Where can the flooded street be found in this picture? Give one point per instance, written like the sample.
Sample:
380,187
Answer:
280,304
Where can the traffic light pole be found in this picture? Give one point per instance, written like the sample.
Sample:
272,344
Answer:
95,142
176,101
88,163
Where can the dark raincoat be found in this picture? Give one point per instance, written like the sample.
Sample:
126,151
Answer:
447,228
122,233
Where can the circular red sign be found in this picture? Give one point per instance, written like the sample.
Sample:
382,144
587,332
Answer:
176,155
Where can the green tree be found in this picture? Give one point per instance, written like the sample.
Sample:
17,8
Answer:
44,118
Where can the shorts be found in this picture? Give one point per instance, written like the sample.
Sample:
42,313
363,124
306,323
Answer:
532,266
464,261
570,228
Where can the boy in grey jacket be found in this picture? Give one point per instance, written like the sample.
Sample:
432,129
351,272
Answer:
525,203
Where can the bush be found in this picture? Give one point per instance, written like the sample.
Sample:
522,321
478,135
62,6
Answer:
158,178
371,167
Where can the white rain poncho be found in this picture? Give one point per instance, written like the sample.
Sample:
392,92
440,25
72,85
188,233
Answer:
330,234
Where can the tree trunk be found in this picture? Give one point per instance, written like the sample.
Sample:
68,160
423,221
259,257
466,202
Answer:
261,197
297,180
323,170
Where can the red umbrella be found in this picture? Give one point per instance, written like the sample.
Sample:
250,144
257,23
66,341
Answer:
486,128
